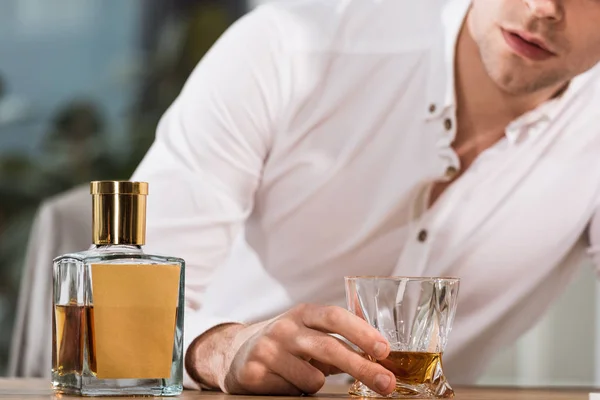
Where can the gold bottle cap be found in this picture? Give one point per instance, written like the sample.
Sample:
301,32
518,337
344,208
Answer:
118,187
118,212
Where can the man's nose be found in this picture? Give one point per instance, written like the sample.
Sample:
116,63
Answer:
546,9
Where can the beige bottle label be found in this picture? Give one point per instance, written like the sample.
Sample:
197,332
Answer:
134,320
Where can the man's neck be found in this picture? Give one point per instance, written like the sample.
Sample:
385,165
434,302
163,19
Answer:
483,107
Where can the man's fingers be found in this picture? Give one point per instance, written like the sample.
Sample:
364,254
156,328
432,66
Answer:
329,350
275,358
332,319
299,373
326,369
276,385
293,353
254,378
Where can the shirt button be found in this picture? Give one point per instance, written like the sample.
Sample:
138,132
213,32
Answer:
448,124
422,236
432,108
451,172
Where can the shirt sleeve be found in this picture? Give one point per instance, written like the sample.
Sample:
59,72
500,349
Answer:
206,162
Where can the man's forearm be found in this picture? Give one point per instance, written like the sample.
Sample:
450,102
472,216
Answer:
205,358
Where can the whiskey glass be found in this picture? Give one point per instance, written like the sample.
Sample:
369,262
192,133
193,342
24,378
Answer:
415,315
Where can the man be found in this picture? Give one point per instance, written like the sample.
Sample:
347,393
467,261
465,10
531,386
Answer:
320,139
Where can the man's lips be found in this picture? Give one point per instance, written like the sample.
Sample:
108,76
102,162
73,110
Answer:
527,46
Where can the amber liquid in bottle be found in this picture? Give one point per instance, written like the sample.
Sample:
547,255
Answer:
72,325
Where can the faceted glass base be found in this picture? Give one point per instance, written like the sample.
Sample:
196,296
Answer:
438,390
74,384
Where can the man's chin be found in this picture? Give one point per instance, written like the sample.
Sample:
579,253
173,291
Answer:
515,89
514,81
509,84
508,73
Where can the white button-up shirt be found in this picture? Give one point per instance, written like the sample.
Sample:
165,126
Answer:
302,149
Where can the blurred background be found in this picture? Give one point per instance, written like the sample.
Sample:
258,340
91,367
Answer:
83,84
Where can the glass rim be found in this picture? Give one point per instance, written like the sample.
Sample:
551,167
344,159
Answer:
402,278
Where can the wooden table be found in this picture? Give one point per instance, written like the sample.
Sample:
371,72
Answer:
36,389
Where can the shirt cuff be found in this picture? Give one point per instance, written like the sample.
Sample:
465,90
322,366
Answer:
195,324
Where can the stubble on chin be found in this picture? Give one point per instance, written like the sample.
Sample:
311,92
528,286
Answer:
513,76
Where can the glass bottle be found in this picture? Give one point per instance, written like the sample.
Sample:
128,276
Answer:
117,313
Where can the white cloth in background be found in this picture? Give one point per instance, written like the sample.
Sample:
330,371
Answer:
63,225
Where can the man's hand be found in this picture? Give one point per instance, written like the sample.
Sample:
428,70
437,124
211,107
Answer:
290,354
